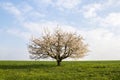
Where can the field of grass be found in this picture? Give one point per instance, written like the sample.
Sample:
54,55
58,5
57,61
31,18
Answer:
69,70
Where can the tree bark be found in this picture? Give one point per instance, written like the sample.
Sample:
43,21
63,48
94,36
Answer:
58,62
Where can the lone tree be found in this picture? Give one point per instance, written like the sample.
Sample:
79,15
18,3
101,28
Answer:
58,45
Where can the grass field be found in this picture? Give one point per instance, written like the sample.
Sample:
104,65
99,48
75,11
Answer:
71,70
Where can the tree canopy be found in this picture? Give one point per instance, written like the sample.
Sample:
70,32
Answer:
58,45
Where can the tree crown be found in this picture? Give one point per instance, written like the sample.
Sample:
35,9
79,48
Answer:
58,45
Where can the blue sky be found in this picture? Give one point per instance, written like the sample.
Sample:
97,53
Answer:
98,21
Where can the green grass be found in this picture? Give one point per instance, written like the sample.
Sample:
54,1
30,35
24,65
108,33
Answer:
72,70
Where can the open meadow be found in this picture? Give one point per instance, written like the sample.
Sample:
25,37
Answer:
69,70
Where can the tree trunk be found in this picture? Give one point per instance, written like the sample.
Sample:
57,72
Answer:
58,62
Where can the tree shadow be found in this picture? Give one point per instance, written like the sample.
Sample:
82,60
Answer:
26,66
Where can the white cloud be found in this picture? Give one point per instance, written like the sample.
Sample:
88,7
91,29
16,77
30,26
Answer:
22,12
112,19
44,1
98,13
60,4
36,14
18,33
11,8
90,10
25,8
111,22
67,4
47,1
112,2
38,27
103,44
29,11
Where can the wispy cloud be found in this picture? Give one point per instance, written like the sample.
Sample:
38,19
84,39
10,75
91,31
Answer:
90,10
22,11
67,4
112,19
11,8
98,13
23,35
102,43
39,27
60,4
